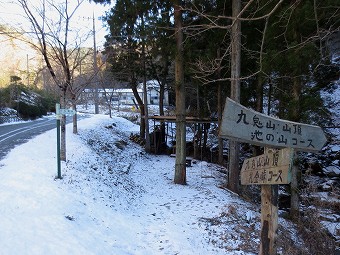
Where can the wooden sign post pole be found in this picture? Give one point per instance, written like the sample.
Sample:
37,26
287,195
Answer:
269,218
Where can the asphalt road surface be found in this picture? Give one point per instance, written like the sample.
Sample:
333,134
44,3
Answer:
15,134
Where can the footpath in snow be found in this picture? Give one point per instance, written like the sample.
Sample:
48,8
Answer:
116,199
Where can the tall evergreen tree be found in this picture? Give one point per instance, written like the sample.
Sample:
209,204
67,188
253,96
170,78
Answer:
125,43
294,53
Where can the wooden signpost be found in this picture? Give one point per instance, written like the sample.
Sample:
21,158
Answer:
274,166
246,125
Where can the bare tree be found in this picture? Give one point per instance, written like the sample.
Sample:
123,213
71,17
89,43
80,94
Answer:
108,85
51,25
229,55
234,146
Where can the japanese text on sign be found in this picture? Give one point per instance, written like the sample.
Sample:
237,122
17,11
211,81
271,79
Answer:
269,168
286,134
246,125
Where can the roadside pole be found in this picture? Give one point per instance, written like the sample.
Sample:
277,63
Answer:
58,117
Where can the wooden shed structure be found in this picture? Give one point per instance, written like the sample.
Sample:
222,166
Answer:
163,129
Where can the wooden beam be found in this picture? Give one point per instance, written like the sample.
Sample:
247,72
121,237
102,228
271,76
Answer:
188,119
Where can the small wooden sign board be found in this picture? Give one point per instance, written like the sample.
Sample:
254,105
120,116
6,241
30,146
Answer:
273,167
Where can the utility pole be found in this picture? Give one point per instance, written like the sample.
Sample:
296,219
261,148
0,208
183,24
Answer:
95,69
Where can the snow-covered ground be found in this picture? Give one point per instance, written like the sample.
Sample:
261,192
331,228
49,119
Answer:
115,199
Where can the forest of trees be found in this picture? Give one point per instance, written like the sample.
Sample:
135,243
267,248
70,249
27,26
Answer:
276,57
286,57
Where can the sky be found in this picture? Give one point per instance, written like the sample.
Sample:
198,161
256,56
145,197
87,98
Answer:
11,14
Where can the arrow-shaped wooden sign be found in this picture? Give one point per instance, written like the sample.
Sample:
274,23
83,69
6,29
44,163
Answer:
246,125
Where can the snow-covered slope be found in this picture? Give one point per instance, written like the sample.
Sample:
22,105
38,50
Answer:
115,199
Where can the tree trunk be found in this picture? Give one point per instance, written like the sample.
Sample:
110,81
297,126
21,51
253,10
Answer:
219,111
294,191
270,89
163,84
234,147
259,107
110,106
141,107
146,112
161,99
259,94
161,107
180,167
294,185
195,140
75,125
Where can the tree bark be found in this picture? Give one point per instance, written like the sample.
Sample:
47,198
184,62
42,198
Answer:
234,147
146,112
180,167
219,111
259,106
141,107
75,124
294,185
162,84
259,94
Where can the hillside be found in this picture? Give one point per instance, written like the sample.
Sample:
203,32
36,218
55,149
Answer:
115,199
18,58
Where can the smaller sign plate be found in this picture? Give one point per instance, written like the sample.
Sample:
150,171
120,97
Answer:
67,112
273,167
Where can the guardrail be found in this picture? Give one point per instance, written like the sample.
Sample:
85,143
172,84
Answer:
9,119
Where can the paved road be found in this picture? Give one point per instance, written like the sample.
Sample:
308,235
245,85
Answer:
15,134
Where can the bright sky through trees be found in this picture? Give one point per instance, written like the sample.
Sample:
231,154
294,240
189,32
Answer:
11,14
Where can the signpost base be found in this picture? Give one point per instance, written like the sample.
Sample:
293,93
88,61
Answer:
269,219
58,140
58,149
